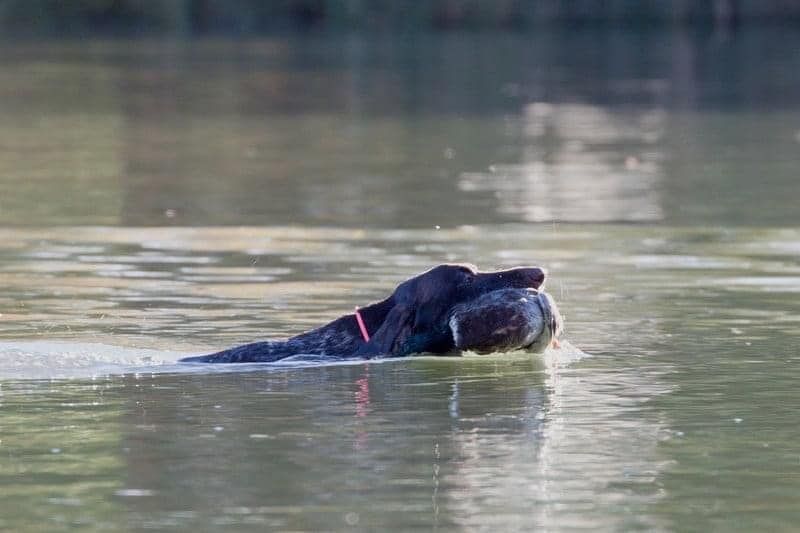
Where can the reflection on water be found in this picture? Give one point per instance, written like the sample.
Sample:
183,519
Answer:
161,199
419,132
581,163
430,442
693,364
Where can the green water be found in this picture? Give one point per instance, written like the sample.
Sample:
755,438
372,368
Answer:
159,199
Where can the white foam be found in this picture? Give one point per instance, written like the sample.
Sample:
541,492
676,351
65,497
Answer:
62,359
565,355
57,359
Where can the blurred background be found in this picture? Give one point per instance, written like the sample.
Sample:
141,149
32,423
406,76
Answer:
398,113
194,17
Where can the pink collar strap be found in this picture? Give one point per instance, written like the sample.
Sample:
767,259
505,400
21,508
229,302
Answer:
362,326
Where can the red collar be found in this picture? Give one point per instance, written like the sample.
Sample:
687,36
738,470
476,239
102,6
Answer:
362,326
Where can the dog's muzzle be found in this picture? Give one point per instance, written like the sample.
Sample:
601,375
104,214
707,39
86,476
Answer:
553,323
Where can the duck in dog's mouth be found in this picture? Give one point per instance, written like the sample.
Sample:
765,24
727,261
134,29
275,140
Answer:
506,320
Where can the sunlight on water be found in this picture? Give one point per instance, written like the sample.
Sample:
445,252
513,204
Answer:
573,170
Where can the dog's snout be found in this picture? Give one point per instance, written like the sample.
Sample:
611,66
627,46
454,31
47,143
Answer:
533,276
539,275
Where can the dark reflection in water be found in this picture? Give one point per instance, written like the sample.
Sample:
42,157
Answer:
401,437
422,443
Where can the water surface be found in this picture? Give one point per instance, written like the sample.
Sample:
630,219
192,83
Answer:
160,199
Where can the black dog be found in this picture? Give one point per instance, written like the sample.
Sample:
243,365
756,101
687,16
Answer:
414,319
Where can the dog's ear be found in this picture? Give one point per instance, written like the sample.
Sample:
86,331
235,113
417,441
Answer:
392,333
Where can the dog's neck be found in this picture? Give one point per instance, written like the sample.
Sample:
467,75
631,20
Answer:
343,334
373,315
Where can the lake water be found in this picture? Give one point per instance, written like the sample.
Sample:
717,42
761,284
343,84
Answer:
159,199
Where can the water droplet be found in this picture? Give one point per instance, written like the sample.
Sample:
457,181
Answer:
72,502
133,493
449,153
218,428
631,162
352,519
738,420
55,450
170,213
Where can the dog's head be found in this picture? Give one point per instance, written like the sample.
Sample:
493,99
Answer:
417,314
